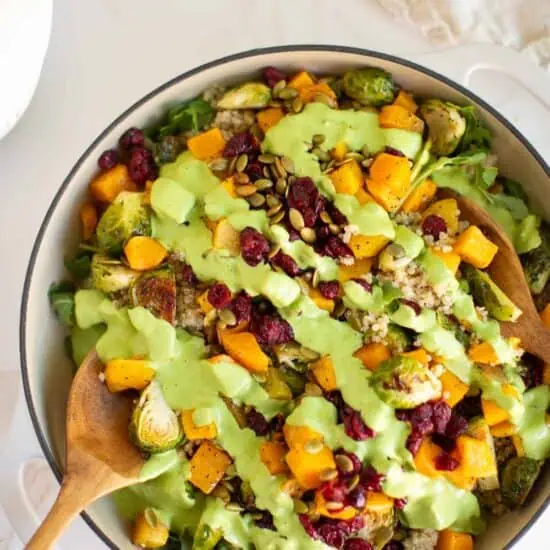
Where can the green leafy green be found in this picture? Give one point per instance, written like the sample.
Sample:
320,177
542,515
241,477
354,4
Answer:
513,188
61,296
80,265
477,135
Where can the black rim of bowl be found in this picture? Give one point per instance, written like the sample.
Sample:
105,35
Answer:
40,433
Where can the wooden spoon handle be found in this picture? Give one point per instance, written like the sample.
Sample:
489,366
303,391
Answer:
72,499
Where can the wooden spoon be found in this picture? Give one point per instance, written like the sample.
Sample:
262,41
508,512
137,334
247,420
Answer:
100,457
507,272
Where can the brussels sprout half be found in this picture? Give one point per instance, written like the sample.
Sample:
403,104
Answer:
109,275
156,291
446,125
517,479
251,95
370,86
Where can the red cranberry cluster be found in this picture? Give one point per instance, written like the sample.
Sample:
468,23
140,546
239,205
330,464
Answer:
272,75
329,289
219,295
337,533
241,143
286,263
434,225
257,422
270,329
241,306
354,425
254,246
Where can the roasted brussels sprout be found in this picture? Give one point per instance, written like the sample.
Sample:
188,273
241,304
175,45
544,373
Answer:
126,216
251,95
536,263
294,380
276,386
110,275
487,294
154,427
449,323
446,125
517,479
398,338
405,383
478,428
206,538
167,149
370,86
156,291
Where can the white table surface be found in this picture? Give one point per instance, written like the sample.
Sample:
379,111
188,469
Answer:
105,54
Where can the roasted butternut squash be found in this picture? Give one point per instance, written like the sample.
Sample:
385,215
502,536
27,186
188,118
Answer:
378,502
453,540
320,301
364,246
323,371
446,209
346,513
475,248
109,184
229,185
420,354
396,116
204,304
338,152
308,93
483,353
450,259
272,454
347,178
389,180
267,118
207,145
128,374
504,429
355,270
226,237
298,436
244,348
419,198
405,100
307,467
363,196
144,253
373,354
208,466
88,220
194,432
148,531
454,389
493,413
301,80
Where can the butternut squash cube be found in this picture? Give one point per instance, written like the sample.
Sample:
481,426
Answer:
244,348
323,371
378,502
204,304
483,353
298,436
420,197
346,513
229,185
194,432
364,246
420,354
453,540
208,466
301,80
493,413
320,301
363,196
384,195
308,93
446,209
272,454
338,152
128,374
144,253
207,145
226,237
475,248
405,100
372,354
267,118
149,532
454,389
450,259
389,180
504,429
109,184
355,270
424,460
477,458
396,116
307,467
347,178
221,330
545,316
88,220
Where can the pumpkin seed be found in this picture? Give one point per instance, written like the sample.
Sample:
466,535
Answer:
304,287
288,164
296,219
353,155
280,168
280,186
218,165
290,486
330,165
231,472
277,217
274,172
313,446
210,317
317,139
334,229
314,515
278,87
241,163
234,507
308,354
272,200
328,474
263,183
266,159
339,310
275,104
288,93
313,390
256,200
227,317
353,482
241,178
300,507
222,493
322,98
308,234
320,154
344,463
307,276
325,217
275,249
231,167
291,180
297,104
365,151
333,506
151,517
275,209
267,172
246,190
367,162
315,278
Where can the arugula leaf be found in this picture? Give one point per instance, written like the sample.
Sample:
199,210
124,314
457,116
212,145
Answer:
514,188
192,115
79,266
61,296
477,135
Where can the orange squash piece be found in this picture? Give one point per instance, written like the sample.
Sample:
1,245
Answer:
272,454
545,316
389,180
338,152
372,354
355,270
298,436
307,467
203,303
241,327
346,513
208,466
109,184
453,540
363,196
450,259
504,429
147,534
245,350
493,413
88,220
396,116
378,502
419,198
454,389
347,178
194,432
446,209
301,80
405,100
483,353
364,246
267,118
207,145
128,374
420,354
323,371
308,93
226,237
476,456
320,301
475,248
144,253
424,459
229,185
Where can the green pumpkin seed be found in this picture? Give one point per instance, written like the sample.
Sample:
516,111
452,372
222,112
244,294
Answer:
325,217
278,87
353,155
308,354
320,154
227,316
339,310
263,183
275,104
241,178
317,139
313,446
328,474
308,234
353,482
246,190
300,507
256,200
275,209
365,151
297,104
234,507
274,172
296,219
288,93
344,463
266,159
257,132
277,217
288,165
333,506
267,172
218,165
307,276
272,200
231,167
274,251
315,278
241,163
367,162
280,186
280,168
334,229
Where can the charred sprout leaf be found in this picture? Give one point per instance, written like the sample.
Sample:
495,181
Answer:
83,340
125,217
446,125
109,275
154,427
536,263
405,383
398,338
487,294
294,380
206,538
276,386
370,86
478,428
156,291
61,297
167,150
251,95
517,479
476,135
80,265
449,323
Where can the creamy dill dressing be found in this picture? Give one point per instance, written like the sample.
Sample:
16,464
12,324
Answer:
185,194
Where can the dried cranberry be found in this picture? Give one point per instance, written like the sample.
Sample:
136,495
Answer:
413,305
141,166
254,246
469,407
400,503
187,274
357,544
293,235
308,526
424,426
323,233
272,75
414,441
286,263
434,225
271,330
219,295
335,397
448,444
355,427
353,525
446,462
254,171
305,197
241,306
365,284
133,137
402,415
457,426
108,159
371,479
257,422
265,521
441,414
277,422
393,151
241,143
354,460
394,545
337,216
336,248
422,412
329,289
332,535
358,497
334,491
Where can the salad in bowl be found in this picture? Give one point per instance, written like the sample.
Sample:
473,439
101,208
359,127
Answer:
277,273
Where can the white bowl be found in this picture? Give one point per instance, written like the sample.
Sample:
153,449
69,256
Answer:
47,372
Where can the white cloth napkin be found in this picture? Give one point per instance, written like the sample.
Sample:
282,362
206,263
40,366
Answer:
520,24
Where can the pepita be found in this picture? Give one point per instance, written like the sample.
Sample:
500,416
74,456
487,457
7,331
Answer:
333,506
234,507
296,219
308,354
353,482
339,310
272,200
218,165
344,463
308,234
288,93
300,507
266,159
278,87
275,209
304,287
280,186
320,154
288,164
222,493
317,139
280,168
274,172
256,200
328,474
313,446
274,251
315,279
246,190
297,104
367,162
325,217
365,151
353,155
267,172
227,316
263,183
277,217
241,178
231,167
242,162
334,229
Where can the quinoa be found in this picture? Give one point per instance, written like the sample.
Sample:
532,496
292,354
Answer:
421,539
233,121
